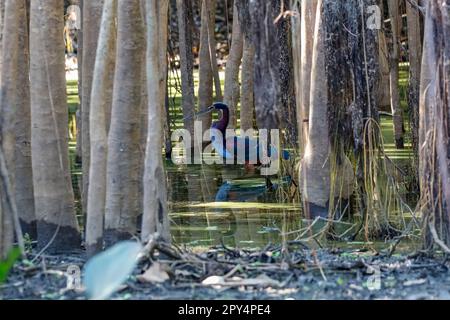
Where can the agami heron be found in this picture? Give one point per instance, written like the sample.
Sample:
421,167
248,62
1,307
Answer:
244,149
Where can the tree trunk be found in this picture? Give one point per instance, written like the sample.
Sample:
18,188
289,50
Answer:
435,126
206,79
287,79
92,15
185,31
308,20
267,62
155,217
247,97
213,49
415,57
231,97
123,174
101,101
394,60
15,100
2,23
79,149
315,168
54,201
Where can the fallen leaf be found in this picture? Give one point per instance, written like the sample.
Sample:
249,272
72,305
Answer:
411,283
107,271
213,280
155,274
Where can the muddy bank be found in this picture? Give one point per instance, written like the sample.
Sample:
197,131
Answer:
223,273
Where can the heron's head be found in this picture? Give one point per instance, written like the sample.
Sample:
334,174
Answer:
216,106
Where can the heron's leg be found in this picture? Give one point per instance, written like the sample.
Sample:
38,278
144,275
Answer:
269,184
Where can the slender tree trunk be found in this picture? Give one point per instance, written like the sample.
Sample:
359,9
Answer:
384,88
394,60
248,74
287,78
15,96
2,23
54,201
79,149
213,50
92,15
415,57
185,31
206,79
123,174
308,19
232,88
435,126
101,101
315,168
155,190
248,66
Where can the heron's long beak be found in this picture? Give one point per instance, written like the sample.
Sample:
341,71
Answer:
201,113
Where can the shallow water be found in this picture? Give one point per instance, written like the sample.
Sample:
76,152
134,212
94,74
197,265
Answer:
211,204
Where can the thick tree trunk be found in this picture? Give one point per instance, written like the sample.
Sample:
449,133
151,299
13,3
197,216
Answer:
155,217
267,62
123,174
9,74
248,75
302,43
184,11
232,88
101,101
435,126
394,60
15,100
315,168
92,15
54,201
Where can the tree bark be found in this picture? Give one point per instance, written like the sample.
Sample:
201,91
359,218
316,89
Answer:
308,17
434,130
184,10
155,217
100,102
394,60
415,57
2,23
123,173
206,78
54,201
287,78
247,97
267,62
232,87
15,102
92,16
315,167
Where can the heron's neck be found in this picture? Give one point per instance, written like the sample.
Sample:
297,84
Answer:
222,124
